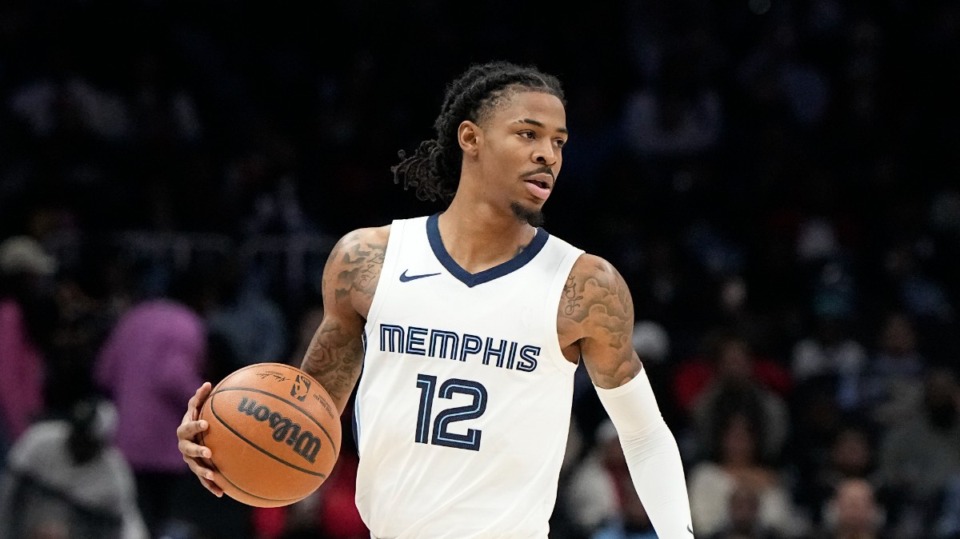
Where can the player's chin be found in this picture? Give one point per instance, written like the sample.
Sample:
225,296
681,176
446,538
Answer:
529,213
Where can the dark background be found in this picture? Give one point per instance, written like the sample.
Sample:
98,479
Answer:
745,164
213,117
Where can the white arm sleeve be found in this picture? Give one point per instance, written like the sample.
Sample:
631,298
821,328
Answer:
652,455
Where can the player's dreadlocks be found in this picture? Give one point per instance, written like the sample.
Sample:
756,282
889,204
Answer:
434,169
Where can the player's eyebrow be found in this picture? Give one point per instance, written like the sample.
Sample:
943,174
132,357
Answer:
541,125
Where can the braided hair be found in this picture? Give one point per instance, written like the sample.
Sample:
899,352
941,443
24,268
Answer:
434,168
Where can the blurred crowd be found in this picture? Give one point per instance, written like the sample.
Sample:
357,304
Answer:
776,180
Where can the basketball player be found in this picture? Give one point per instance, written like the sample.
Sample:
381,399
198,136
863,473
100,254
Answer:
467,327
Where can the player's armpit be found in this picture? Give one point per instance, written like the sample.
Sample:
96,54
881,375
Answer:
350,278
597,302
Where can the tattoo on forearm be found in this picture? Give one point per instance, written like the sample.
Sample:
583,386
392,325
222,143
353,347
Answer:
336,362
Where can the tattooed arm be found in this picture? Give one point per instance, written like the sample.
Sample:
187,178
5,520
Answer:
336,351
596,319
350,278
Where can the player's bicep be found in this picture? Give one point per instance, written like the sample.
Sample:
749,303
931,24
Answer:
606,321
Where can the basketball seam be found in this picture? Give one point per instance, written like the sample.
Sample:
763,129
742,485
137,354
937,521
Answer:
292,404
288,368
260,449
252,495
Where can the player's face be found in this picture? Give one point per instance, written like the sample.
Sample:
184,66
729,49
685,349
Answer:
523,151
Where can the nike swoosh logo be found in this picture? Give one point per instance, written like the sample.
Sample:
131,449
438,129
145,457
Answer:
404,278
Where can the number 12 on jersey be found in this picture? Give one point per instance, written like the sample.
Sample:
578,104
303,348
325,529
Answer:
440,434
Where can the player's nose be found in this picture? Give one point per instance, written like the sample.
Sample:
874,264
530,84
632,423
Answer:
546,154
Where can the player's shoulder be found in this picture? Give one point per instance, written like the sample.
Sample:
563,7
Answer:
360,247
363,240
590,266
372,235
594,296
376,235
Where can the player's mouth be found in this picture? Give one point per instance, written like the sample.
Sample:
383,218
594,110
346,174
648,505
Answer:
539,185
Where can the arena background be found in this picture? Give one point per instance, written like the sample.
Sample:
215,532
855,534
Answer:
758,168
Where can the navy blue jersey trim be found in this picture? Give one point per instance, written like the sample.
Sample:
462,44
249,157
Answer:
473,279
356,422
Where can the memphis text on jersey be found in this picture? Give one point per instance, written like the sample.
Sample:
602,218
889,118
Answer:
445,344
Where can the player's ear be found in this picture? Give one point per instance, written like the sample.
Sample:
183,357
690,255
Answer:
468,135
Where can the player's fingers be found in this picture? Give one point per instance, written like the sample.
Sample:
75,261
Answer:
211,486
198,468
205,475
186,434
188,430
193,450
193,405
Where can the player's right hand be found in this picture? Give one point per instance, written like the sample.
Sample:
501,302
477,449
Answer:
194,453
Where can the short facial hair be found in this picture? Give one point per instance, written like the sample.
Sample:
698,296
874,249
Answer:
531,217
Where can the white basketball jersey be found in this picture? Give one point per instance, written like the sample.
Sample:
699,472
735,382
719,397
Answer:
463,407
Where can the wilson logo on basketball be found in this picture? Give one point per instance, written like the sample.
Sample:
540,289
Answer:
303,442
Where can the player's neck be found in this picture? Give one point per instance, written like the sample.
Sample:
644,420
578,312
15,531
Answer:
479,238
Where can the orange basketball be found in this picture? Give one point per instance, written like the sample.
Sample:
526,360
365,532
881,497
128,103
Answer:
274,434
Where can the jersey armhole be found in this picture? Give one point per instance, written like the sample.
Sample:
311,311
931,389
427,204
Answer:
394,239
555,293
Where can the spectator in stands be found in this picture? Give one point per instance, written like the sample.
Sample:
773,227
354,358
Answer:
250,320
618,513
737,461
154,358
28,316
850,455
891,388
66,479
736,389
744,516
679,113
853,513
828,351
592,495
918,458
